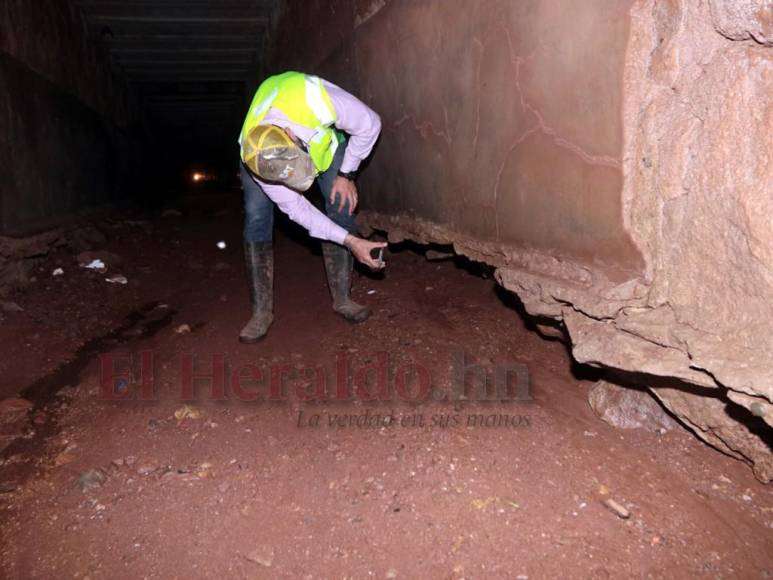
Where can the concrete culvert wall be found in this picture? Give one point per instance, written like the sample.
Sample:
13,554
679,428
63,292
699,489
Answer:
611,159
69,125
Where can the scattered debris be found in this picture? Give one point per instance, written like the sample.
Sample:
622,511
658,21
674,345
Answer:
12,307
617,509
370,292
14,406
176,476
628,408
204,470
603,489
92,479
147,468
98,260
221,245
117,279
7,487
550,331
58,272
188,412
480,504
183,329
96,265
64,457
262,555
435,256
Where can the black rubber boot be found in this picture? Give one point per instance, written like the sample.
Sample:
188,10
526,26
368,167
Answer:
338,265
259,258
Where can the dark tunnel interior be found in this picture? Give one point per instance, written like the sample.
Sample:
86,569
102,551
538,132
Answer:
192,67
145,94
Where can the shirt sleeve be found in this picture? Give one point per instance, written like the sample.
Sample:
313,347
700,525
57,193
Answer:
358,120
301,211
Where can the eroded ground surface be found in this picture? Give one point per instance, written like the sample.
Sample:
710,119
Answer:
232,488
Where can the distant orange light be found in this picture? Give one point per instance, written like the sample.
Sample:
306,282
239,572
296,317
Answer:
198,177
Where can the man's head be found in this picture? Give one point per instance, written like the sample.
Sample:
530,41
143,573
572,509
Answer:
275,154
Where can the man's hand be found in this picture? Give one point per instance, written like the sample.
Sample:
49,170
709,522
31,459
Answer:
361,250
346,191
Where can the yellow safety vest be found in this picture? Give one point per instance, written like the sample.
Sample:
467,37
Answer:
303,100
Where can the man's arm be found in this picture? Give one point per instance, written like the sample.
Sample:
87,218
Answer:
301,211
363,126
358,120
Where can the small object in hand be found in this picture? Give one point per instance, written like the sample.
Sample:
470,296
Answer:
378,255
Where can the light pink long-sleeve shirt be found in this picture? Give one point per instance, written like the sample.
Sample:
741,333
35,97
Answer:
363,126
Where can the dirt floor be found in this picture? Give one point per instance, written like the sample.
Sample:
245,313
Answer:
223,487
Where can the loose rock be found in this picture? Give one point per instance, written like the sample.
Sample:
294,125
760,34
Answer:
183,329
618,509
92,479
627,408
263,556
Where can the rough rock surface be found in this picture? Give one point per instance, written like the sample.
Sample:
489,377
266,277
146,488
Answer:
616,170
627,408
744,19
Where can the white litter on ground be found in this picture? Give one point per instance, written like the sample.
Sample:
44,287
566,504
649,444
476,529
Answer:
371,292
58,272
95,265
117,279
221,245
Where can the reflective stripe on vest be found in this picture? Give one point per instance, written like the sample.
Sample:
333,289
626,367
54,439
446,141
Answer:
304,101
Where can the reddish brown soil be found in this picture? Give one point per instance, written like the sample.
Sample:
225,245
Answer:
243,491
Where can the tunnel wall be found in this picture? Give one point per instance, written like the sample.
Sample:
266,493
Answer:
69,135
481,110
611,158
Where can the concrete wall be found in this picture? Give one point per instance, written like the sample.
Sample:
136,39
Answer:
611,157
501,122
68,127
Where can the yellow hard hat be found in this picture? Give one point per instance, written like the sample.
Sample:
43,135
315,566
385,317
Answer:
267,142
272,155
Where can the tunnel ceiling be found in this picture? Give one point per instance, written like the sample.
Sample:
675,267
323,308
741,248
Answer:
188,59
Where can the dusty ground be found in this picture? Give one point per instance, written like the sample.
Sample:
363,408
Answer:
241,489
